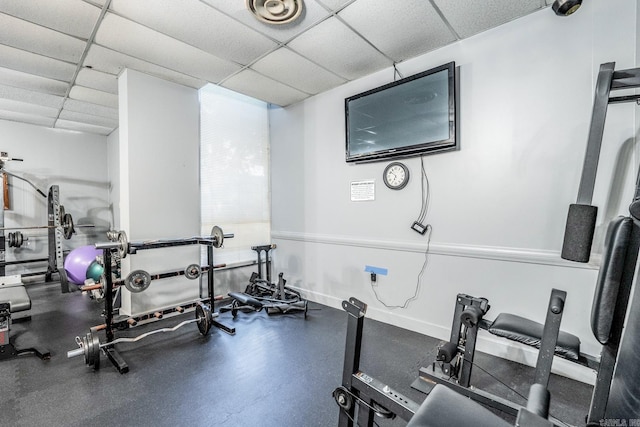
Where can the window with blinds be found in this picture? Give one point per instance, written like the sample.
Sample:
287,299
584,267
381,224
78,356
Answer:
234,171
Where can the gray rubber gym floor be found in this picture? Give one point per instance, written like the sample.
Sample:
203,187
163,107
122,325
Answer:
277,370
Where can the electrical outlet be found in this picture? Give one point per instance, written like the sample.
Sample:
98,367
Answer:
419,228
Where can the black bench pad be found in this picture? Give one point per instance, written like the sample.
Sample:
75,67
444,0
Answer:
444,407
245,299
528,332
17,298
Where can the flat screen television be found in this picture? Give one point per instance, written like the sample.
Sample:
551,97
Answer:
409,117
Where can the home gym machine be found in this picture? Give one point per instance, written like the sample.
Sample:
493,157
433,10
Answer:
616,383
139,280
263,294
615,280
361,397
59,225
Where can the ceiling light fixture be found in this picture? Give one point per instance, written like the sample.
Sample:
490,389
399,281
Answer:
275,11
566,7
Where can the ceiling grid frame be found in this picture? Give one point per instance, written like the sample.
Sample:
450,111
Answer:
89,100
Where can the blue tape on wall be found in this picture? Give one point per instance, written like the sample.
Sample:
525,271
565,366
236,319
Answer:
376,270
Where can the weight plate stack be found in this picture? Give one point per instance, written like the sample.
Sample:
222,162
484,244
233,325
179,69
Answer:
203,314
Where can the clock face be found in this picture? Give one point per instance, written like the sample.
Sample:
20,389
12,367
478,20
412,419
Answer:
396,175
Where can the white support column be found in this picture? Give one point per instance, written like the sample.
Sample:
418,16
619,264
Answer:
159,183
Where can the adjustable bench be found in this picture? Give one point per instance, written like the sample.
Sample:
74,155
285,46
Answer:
13,299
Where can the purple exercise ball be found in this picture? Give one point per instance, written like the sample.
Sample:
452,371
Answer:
78,261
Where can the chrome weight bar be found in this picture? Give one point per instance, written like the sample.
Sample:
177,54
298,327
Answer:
89,346
67,225
118,240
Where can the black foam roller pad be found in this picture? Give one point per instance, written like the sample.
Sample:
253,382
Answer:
634,209
578,233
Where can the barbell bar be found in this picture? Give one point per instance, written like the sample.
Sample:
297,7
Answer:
118,240
37,227
139,280
89,346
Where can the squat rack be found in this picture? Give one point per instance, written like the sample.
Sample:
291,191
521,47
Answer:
55,230
120,248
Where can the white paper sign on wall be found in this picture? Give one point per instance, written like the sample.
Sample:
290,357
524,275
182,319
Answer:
362,191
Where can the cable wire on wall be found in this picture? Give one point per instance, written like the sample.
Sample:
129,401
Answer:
419,281
426,193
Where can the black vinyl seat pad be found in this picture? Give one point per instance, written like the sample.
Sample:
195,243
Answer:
528,332
444,407
17,297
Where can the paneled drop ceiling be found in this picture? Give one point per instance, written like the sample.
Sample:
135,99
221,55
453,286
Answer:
60,59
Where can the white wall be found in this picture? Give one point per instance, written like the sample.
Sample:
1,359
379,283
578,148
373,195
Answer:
498,205
159,193
77,163
113,157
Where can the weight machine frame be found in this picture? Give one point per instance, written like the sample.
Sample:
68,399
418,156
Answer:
55,258
372,397
111,324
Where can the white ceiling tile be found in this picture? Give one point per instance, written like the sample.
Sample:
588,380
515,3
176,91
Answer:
73,17
341,50
471,17
286,66
334,4
31,82
32,63
26,108
30,97
88,118
136,40
26,118
312,13
250,83
112,62
88,108
82,127
98,80
400,29
34,38
199,25
94,96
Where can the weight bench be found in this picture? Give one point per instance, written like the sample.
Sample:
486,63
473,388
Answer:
242,301
455,358
13,299
261,294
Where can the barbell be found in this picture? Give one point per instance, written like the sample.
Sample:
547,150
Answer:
66,223
139,280
90,346
120,242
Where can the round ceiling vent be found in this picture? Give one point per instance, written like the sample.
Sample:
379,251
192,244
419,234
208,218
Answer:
275,11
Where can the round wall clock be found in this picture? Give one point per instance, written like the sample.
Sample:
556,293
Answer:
396,175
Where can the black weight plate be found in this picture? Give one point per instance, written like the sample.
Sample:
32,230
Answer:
85,347
95,349
203,314
67,226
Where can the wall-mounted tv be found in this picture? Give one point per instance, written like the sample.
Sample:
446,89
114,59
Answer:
409,117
